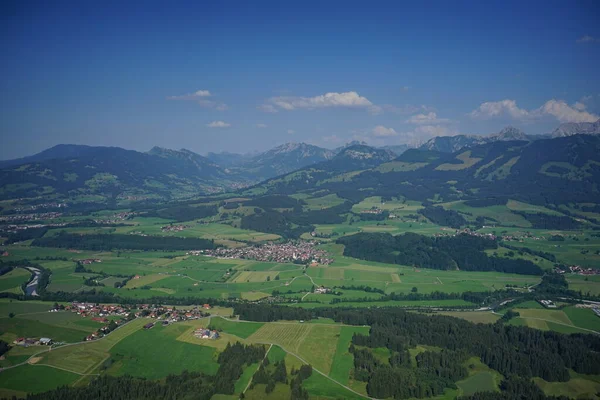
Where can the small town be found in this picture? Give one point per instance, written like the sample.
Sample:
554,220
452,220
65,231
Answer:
295,252
173,228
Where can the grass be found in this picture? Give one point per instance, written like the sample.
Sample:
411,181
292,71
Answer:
319,386
240,329
481,378
477,317
583,318
85,357
155,353
35,378
13,279
314,342
343,360
579,386
22,327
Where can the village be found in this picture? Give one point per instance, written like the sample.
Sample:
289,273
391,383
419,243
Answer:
294,252
106,313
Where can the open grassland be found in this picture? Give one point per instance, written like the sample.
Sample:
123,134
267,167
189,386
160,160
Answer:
14,279
343,360
466,162
156,353
35,378
579,386
215,231
477,317
583,319
313,342
500,213
85,357
585,284
481,378
243,329
26,327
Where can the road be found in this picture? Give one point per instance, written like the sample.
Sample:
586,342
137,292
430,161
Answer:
60,347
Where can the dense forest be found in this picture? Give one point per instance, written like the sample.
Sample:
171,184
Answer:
441,216
464,252
188,385
100,242
511,350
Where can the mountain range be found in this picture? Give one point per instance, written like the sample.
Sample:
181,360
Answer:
76,171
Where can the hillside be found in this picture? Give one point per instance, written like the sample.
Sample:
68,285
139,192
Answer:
450,144
557,171
109,172
283,159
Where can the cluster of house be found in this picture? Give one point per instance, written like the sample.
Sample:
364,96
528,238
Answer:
170,314
202,333
547,303
173,228
117,218
40,206
293,251
96,310
576,269
29,217
322,290
26,342
88,261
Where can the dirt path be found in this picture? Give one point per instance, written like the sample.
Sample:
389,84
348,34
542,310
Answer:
250,381
321,373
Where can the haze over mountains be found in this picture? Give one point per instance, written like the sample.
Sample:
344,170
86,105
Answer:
65,170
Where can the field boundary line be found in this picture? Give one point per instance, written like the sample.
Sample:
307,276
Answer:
63,369
26,362
561,323
322,373
252,377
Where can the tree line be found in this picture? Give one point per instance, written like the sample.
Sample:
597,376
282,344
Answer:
464,252
103,242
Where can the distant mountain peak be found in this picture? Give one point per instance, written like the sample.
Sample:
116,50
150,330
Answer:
575,128
510,133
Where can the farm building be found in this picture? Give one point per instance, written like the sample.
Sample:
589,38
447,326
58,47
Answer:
149,325
45,341
547,303
202,333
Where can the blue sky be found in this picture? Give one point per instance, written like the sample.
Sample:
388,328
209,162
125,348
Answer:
246,76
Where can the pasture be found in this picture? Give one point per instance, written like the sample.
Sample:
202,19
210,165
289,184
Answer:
156,353
313,342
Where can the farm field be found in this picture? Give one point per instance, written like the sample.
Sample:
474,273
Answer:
583,319
314,343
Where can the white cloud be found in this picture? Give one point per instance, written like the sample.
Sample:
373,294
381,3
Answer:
382,131
199,96
218,124
268,108
217,105
559,109
429,118
332,99
291,131
406,109
492,109
261,125
565,113
588,39
191,96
